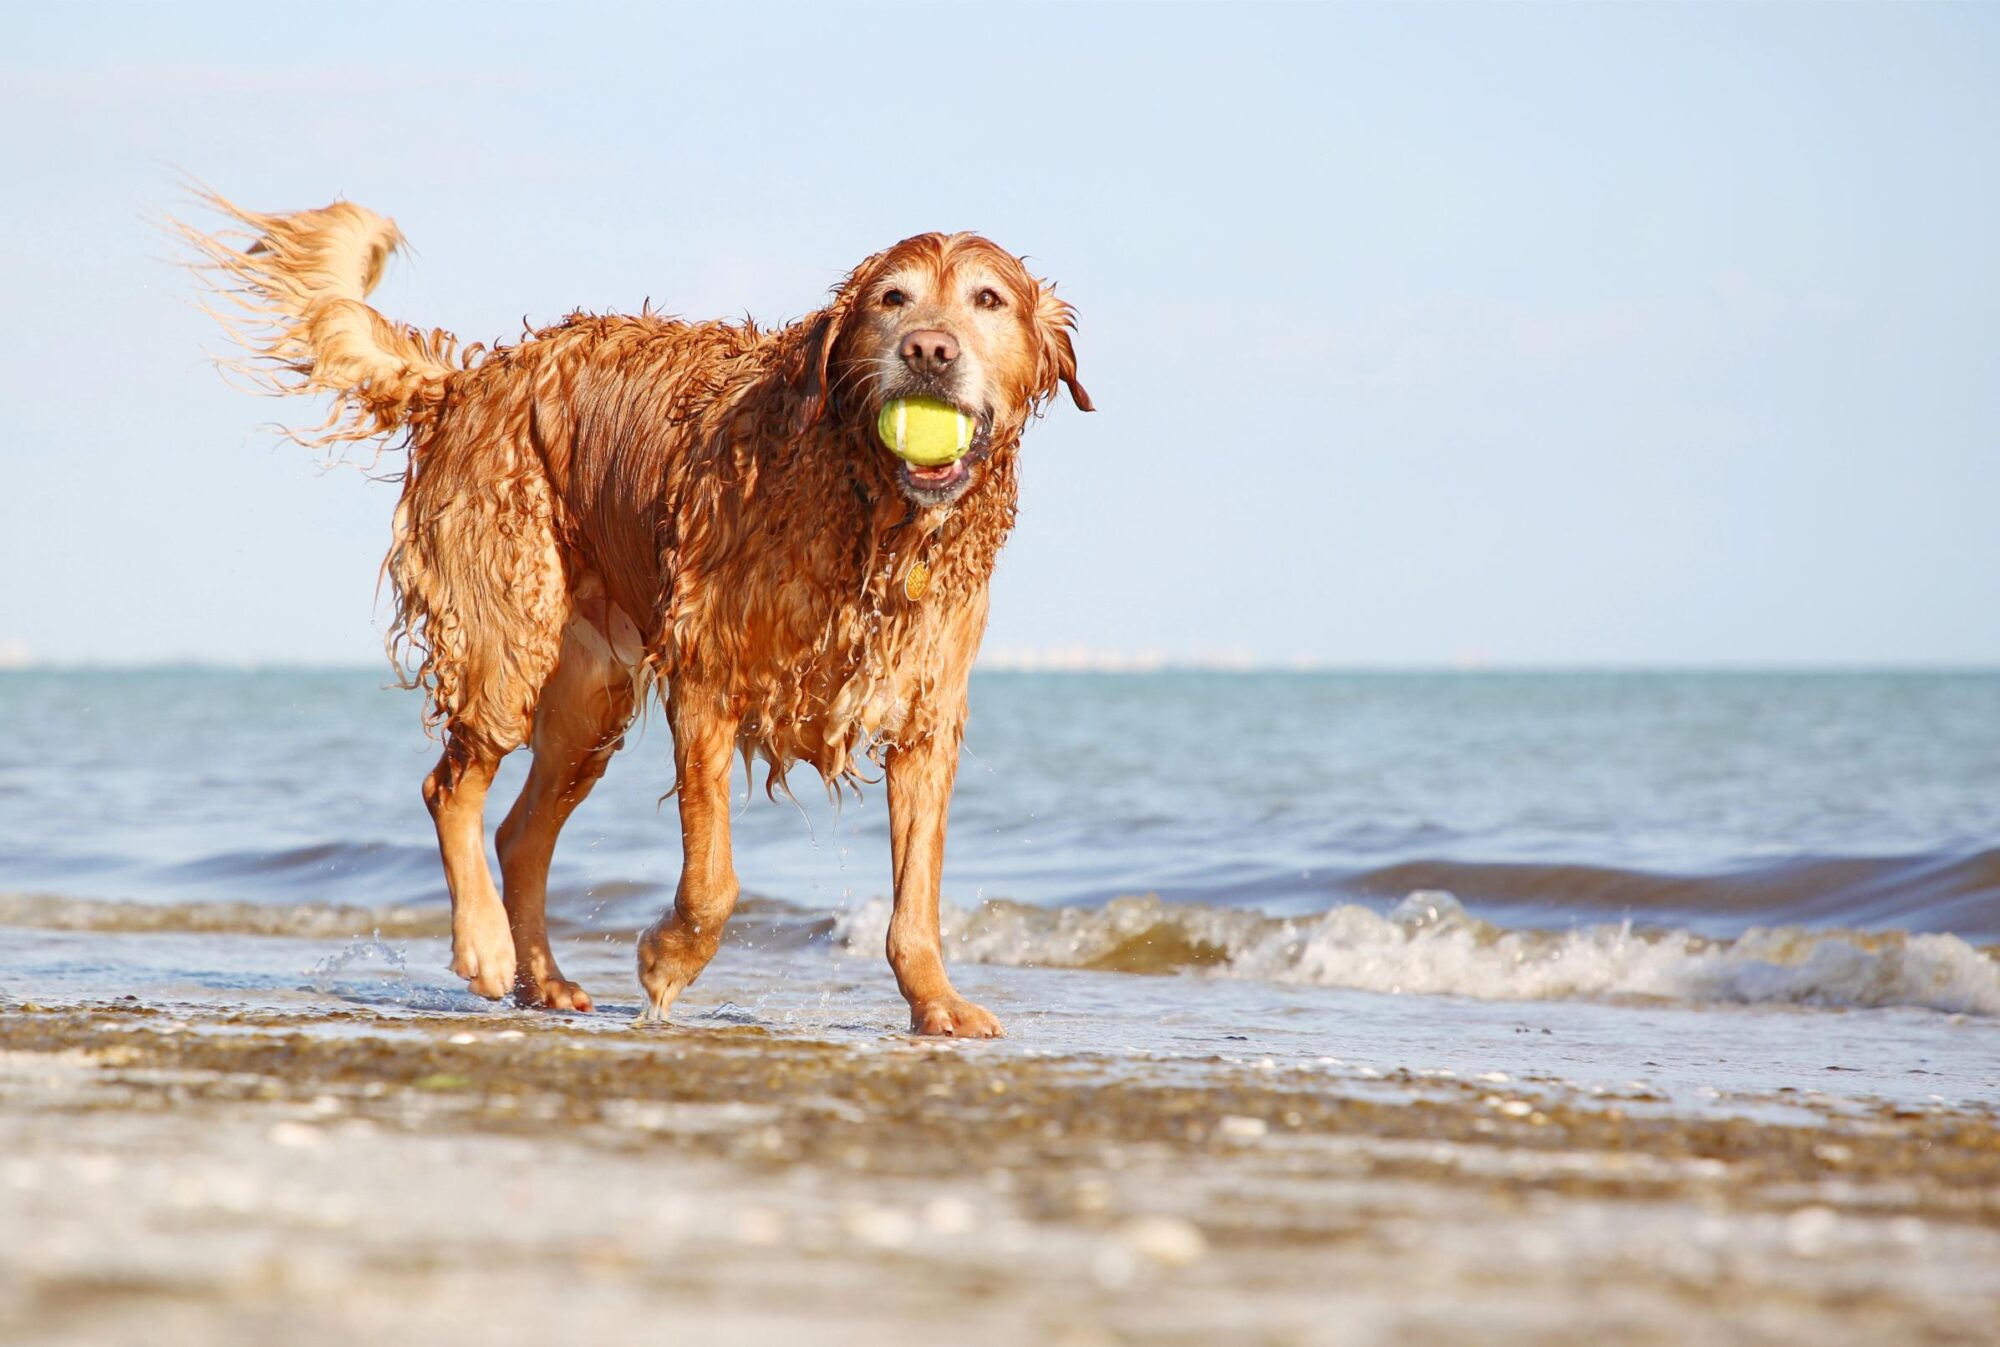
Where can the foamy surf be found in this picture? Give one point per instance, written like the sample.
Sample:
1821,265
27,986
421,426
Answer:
1429,945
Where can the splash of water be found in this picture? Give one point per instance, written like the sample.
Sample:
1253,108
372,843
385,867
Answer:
372,971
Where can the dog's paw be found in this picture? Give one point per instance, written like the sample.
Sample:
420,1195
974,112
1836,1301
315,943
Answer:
482,952
661,993
655,1013
954,1017
491,977
550,993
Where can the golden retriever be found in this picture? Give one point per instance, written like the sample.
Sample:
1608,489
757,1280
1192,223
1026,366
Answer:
624,503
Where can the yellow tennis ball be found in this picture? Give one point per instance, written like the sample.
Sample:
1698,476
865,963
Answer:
924,431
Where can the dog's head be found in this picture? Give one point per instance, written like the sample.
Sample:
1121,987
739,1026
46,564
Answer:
945,316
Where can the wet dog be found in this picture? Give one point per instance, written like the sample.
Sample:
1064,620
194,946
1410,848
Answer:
618,507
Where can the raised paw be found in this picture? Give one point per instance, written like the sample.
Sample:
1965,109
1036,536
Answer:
654,1013
668,962
954,1017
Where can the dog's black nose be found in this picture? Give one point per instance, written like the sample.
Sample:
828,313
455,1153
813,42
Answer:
929,351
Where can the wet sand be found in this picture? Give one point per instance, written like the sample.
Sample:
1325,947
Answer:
174,1172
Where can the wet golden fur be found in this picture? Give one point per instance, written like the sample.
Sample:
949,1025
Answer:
700,507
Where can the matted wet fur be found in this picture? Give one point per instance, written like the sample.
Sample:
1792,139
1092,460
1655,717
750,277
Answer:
621,504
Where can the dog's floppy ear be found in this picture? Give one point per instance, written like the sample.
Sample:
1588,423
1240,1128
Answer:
815,373
1054,321
815,353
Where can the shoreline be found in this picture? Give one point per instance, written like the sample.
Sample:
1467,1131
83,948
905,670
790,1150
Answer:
224,1175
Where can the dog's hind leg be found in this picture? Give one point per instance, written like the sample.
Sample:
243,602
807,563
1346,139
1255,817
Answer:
455,792
481,587
580,722
675,949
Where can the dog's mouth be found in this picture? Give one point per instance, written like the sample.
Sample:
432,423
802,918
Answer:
945,482
941,478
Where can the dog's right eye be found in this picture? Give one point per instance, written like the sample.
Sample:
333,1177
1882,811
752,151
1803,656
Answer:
894,299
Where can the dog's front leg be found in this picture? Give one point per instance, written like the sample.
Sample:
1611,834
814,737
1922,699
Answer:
675,949
920,780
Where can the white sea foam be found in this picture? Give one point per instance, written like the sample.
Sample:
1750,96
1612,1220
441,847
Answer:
1429,945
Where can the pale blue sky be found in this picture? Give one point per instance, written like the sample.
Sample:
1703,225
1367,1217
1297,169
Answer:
1421,335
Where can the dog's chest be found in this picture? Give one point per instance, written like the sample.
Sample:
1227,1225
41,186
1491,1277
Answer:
831,634
866,672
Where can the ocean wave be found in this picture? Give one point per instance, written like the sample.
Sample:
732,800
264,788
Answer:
333,858
1945,891
767,923
1430,945
312,921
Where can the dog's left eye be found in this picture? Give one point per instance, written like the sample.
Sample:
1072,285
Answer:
990,299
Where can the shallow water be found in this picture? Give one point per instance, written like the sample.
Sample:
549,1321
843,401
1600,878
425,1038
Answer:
1766,1061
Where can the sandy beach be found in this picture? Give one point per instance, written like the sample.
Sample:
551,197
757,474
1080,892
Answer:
209,1171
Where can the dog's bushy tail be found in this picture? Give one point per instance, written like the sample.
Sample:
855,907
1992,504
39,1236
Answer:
291,291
